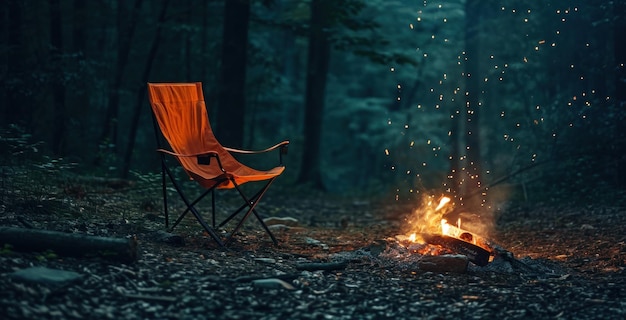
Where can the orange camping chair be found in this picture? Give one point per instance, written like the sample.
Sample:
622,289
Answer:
180,112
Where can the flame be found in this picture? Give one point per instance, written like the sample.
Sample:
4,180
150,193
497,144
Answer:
430,220
444,200
450,230
445,227
427,218
460,233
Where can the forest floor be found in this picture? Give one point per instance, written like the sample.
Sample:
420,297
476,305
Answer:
575,254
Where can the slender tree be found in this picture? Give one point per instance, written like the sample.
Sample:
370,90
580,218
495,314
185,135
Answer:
141,92
465,177
78,32
231,97
317,70
58,87
335,26
619,34
11,112
473,89
125,33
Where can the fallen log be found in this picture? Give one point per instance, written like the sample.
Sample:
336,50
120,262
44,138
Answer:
69,244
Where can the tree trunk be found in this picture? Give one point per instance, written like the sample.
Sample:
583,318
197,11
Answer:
79,105
58,87
204,36
141,92
4,12
69,244
189,65
78,32
124,36
232,94
317,70
619,34
11,112
473,172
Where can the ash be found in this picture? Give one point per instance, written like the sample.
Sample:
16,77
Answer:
505,262
404,257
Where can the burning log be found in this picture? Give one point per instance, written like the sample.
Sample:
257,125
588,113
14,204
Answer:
474,253
436,232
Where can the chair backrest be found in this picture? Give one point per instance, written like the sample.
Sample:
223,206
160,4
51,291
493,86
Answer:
181,114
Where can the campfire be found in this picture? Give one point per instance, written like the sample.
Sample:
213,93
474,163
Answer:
432,234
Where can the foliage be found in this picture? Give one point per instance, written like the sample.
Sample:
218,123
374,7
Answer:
46,255
6,249
543,95
395,87
17,142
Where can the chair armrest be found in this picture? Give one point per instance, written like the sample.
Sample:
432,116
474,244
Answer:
204,158
172,153
283,146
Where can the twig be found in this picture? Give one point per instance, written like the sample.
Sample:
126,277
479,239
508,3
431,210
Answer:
253,277
150,297
327,266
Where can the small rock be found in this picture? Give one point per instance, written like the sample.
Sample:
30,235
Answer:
278,227
265,260
377,247
272,283
287,221
312,241
316,242
46,276
170,238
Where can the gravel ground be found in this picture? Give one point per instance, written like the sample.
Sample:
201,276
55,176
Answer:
571,263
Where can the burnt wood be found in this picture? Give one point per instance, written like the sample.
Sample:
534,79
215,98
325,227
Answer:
474,253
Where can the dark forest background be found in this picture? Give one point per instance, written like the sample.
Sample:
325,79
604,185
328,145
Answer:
524,98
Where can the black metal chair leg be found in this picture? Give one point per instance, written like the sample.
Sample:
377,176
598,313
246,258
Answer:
163,181
190,207
252,205
213,205
239,210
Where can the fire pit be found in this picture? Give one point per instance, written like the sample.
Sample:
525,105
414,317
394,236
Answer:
437,236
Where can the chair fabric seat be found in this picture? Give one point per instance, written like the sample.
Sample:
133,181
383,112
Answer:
207,178
179,111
